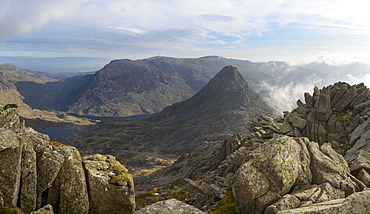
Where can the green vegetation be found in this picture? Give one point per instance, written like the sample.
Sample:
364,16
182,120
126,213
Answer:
226,205
121,175
11,210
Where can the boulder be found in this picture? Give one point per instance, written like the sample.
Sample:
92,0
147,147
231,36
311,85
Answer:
47,209
111,188
356,203
68,193
169,206
271,171
10,167
28,192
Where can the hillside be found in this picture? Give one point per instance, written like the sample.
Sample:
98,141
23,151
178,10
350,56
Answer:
11,76
130,87
221,108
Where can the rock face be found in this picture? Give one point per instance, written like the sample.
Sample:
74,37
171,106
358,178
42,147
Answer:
35,172
168,207
110,185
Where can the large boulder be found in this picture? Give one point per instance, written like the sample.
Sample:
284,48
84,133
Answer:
68,193
316,173
271,171
111,188
10,167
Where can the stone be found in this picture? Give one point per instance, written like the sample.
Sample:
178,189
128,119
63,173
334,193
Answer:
342,89
308,99
346,99
359,140
10,167
48,168
356,203
27,195
271,170
328,193
169,206
68,193
362,161
360,98
364,177
327,165
296,121
47,209
110,187
323,105
284,203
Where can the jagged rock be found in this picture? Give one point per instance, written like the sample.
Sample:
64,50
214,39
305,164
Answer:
111,188
28,179
327,165
35,172
358,141
346,99
364,177
323,105
297,121
284,203
341,90
271,170
356,203
169,206
10,167
47,209
362,161
308,99
68,193
48,168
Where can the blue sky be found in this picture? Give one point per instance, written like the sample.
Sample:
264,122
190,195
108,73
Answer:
287,30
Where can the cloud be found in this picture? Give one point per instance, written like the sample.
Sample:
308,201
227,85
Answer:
126,24
23,16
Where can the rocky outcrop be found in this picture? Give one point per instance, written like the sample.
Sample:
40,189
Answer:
110,185
356,203
35,172
316,153
168,207
283,164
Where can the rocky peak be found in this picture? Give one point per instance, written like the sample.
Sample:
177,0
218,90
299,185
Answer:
229,78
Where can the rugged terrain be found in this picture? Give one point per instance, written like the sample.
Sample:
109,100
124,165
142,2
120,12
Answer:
219,109
11,76
36,173
313,159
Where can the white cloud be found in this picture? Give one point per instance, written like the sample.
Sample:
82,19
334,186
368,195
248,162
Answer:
23,16
147,22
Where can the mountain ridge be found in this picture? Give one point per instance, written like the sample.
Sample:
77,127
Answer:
179,128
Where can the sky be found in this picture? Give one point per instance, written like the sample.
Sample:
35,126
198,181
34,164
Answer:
257,30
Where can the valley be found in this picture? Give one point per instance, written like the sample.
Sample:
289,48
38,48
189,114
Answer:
197,129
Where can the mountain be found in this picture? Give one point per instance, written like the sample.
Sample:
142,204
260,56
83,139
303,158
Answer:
220,108
10,78
129,87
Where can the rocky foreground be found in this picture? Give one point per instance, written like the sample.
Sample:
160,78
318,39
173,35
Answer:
36,174
314,159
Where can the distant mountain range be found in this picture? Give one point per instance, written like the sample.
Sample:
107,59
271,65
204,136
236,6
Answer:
223,107
130,87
